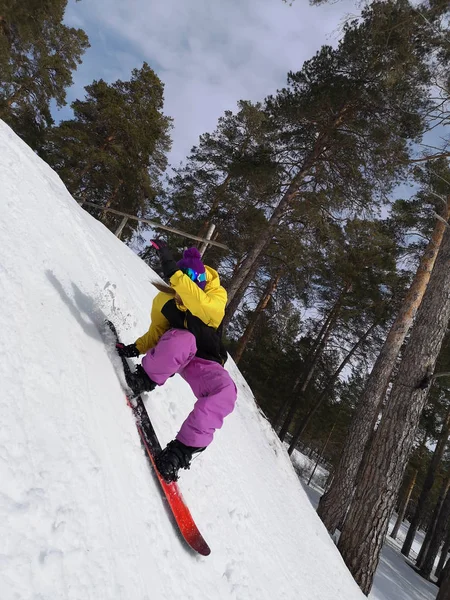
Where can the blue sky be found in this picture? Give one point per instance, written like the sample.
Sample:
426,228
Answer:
209,54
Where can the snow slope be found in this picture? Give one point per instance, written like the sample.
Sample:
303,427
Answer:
81,515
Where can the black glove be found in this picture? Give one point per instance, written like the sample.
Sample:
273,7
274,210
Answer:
168,265
127,351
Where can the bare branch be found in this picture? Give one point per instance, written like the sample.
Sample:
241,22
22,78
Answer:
430,157
441,219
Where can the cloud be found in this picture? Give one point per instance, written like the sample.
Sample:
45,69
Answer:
208,54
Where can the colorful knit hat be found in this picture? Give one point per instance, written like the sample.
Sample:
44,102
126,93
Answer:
192,266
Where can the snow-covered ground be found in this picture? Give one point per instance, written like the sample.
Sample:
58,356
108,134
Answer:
81,515
394,579
308,469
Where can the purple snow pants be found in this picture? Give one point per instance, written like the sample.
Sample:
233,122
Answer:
212,385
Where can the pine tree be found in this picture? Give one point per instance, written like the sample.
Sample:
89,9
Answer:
38,54
261,306
228,179
444,589
353,283
113,152
436,532
428,483
366,524
334,503
403,504
345,121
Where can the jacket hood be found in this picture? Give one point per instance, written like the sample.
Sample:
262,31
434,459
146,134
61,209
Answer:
212,278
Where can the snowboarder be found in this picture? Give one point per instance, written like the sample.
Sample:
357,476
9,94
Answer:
185,337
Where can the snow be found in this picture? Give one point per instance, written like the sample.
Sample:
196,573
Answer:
394,579
81,514
305,467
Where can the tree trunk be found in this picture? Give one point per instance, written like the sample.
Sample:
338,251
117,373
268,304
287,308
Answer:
334,503
279,417
427,485
298,397
290,194
313,359
367,521
262,305
439,531
233,305
104,213
404,504
280,414
444,589
443,557
321,453
5,28
432,526
329,386
220,189
324,330
264,239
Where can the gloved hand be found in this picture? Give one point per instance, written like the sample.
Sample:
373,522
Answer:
168,264
158,244
127,351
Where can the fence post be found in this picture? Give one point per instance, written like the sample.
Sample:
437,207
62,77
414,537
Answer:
209,242
119,230
208,236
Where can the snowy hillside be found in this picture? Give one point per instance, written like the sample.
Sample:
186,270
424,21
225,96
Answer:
82,517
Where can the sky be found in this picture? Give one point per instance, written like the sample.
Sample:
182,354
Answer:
209,54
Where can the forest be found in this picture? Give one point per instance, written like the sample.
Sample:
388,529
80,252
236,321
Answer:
330,201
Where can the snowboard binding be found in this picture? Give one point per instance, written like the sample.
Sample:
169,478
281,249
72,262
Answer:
174,457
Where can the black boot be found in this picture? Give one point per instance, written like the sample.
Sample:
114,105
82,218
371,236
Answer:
139,381
174,457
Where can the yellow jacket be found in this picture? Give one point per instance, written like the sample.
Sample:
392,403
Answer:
208,306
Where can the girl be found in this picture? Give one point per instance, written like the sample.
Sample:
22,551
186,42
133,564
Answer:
185,337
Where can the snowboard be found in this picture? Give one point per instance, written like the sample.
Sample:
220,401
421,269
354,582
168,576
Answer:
172,494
